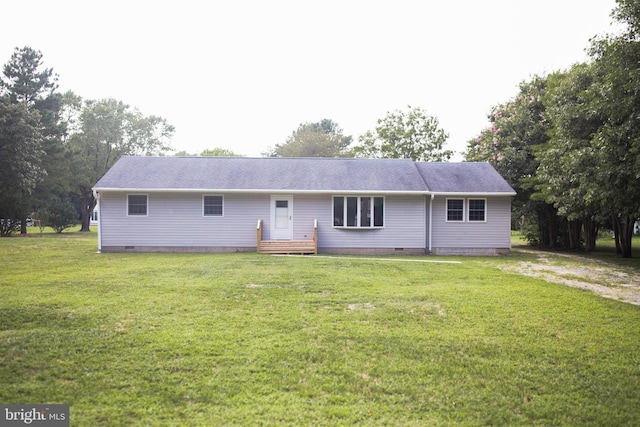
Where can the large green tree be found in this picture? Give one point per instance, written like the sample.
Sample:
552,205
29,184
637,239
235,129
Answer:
517,128
209,152
591,168
24,78
617,141
20,162
574,147
26,82
411,134
319,139
109,129
569,169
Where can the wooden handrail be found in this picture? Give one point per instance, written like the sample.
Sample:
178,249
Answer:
259,233
315,235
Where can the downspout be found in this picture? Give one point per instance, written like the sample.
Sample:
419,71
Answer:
430,220
97,197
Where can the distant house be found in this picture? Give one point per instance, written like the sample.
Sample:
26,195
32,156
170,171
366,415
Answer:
94,216
305,205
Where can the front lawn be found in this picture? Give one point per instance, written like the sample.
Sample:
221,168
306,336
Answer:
246,339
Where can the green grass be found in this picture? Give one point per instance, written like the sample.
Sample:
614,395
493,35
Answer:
246,339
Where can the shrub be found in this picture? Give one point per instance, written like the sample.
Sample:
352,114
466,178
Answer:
61,215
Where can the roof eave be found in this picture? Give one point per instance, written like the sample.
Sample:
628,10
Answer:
248,191
290,191
479,194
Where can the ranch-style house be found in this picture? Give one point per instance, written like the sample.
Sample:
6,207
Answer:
303,205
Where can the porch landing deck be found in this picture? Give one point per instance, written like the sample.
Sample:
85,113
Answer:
287,246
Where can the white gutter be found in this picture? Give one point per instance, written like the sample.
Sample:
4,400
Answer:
266,191
97,196
430,219
471,193
289,191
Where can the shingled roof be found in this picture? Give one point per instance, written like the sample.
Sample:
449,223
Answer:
465,177
133,173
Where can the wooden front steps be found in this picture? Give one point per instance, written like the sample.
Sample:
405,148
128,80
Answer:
287,246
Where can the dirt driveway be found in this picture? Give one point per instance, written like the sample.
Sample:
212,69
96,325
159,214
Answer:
606,279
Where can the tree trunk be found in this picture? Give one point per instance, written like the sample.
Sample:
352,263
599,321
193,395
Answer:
553,235
616,234
575,234
624,235
23,224
88,204
627,236
554,226
590,234
24,212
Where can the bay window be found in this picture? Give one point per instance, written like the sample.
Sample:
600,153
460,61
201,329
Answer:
358,211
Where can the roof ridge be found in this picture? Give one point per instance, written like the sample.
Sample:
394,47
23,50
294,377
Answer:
424,179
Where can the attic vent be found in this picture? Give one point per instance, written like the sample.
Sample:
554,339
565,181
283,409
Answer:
129,248
399,249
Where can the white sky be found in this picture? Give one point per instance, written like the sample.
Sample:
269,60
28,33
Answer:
242,75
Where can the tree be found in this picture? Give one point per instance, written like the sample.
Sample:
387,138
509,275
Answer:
628,12
209,152
567,171
24,79
616,143
218,152
110,129
60,215
517,128
321,139
587,164
411,134
20,162
26,83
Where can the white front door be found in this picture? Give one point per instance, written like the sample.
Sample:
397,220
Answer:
281,217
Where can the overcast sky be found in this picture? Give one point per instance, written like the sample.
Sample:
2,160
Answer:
242,75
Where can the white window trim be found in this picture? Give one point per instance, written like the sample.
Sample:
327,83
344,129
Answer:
127,206
446,210
465,210
213,216
486,210
358,209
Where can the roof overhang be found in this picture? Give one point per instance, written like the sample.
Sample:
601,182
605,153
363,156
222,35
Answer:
289,191
252,191
465,194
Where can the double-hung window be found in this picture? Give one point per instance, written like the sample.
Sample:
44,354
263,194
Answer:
477,210
455,209
358,211
471,210
137,205
212,205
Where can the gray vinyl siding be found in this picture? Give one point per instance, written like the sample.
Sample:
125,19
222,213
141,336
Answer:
176,220
404,224
494,233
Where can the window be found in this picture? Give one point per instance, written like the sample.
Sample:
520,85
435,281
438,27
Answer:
358,211
137,205
378,211
212,205
455,209
338,211
477,208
